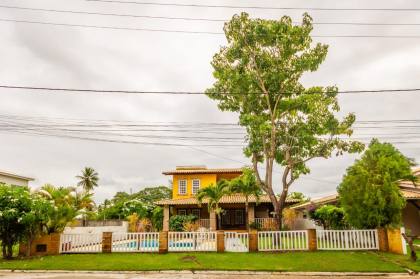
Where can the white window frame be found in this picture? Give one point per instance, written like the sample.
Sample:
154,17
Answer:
194,188
179,187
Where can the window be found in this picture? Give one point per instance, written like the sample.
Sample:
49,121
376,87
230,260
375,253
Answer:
182,212
195,186
239,217
182,187
196,212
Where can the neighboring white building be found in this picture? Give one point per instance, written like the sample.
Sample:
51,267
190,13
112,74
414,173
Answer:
14,179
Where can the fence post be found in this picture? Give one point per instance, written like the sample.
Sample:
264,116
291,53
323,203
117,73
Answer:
395,243
163,242
107,242
220,241
383,240
253,241
312,242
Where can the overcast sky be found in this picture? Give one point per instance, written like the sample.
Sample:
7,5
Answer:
57,56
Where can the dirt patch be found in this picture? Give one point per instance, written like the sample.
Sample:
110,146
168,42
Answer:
189,258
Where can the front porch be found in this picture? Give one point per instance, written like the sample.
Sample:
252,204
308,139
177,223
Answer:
233,218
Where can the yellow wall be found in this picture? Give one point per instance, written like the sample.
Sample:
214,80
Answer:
205,180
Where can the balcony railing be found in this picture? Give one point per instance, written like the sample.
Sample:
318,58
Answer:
266,223
204,223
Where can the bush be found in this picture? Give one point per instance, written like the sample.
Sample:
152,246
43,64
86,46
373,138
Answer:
177,222
330,217
255,226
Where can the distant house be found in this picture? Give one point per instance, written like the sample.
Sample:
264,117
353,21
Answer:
14,179
410,214
187,181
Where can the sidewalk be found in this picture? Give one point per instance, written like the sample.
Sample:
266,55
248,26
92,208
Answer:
192,275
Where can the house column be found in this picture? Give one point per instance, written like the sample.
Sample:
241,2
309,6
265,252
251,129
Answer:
213,221
251,214
165,218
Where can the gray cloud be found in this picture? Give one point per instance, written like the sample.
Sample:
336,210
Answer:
85,58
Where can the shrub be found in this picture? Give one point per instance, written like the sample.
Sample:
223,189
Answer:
330,217
254,226
176,222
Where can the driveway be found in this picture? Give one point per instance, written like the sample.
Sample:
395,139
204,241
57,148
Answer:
190,275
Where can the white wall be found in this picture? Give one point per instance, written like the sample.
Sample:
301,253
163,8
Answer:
13,180
97,230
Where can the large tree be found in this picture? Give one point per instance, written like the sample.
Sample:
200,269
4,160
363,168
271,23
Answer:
258,76
369,192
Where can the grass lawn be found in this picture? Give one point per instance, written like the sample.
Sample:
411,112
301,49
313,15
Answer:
296,261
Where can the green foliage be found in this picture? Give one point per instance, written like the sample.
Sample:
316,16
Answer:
15,203
255,226
157,218
246,184
88,180
142,203
297,196
212,194
369,192
330,217
177,222
258,76
67,204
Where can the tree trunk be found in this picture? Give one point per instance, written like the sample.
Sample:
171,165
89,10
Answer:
281,206
9,253
219,222
3,246
246,214
28,247
409,240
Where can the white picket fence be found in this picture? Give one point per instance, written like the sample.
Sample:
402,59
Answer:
81,243
283,241
191,241
347,239
135,242
236,242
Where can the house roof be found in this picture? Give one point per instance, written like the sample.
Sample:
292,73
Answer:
320,201
409,193
9,174
201,170
227,199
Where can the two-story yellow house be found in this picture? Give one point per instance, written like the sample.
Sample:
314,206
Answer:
188,180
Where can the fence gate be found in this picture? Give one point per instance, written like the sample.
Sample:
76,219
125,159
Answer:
347,239
236,242
283,241
81,243
191,241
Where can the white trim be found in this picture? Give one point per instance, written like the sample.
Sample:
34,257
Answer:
179,187
194,188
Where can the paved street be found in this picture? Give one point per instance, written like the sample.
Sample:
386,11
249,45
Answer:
189,275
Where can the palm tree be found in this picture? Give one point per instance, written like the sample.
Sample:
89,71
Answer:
88,180
247,185
213,194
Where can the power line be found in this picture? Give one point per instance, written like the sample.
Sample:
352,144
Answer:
256,7
191,32
193,18
168,92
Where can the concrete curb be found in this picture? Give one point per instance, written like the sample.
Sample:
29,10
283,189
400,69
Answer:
212,272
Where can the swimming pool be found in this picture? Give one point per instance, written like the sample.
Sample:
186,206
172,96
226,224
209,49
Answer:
134,245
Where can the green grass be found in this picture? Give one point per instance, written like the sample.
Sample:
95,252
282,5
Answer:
296,261
403,260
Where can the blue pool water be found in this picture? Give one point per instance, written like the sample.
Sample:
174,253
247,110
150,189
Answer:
134,244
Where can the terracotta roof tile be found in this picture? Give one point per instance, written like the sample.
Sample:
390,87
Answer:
228,199
203,171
